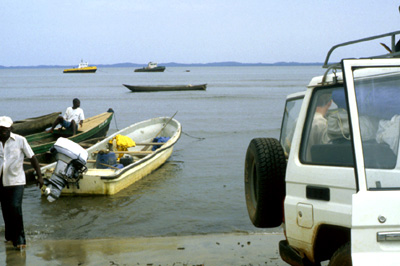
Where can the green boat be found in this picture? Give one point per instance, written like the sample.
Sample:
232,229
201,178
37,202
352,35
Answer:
93,127
151,67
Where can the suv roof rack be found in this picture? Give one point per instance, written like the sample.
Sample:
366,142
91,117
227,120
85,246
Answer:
393,52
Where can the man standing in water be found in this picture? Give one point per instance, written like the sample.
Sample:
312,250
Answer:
72,118
13,148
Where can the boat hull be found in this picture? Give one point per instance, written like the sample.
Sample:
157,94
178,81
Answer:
154,69
93,127
81,70
92,182
35,124
134,88
111,181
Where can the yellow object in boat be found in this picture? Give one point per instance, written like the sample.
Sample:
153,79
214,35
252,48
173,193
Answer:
122,143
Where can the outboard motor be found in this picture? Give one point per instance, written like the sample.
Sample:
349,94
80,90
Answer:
71,162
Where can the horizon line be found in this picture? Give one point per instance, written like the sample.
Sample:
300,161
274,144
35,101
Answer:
173,64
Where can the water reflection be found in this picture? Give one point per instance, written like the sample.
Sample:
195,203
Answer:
70,253
15,257
125,214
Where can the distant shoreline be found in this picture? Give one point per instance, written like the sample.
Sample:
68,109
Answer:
217,64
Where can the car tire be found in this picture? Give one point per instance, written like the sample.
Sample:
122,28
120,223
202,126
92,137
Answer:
264,177
342,256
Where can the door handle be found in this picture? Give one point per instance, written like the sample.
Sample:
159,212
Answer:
318,193
387,236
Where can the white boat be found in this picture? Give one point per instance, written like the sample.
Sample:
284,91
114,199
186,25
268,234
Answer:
145,159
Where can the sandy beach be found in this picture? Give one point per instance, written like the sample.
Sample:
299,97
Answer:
207,250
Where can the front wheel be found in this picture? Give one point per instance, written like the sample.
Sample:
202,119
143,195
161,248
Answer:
264,177
342,256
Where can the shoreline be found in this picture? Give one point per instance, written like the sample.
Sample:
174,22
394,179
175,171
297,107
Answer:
206,250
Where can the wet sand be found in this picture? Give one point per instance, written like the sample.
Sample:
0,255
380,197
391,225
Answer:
207,250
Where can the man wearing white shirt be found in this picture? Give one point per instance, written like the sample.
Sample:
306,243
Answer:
319,128
13,149
72,118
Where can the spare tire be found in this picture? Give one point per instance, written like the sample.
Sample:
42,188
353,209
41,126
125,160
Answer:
264,178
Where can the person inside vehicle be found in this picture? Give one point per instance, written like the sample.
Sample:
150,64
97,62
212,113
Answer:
73,117
319,128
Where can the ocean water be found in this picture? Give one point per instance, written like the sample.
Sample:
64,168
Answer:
200,190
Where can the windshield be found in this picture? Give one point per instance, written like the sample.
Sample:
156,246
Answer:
379,120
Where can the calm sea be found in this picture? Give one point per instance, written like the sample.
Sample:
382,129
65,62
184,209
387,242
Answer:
200,190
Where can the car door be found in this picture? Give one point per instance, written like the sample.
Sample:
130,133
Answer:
373,90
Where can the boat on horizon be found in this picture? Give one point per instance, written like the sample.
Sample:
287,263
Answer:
154,88
151,67
83,67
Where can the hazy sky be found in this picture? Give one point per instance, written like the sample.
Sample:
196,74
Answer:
51,32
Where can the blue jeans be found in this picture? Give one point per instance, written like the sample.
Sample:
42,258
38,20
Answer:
67,124
11,207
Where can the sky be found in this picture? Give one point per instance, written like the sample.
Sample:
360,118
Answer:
50,32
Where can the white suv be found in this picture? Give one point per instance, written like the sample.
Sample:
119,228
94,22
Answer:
333,178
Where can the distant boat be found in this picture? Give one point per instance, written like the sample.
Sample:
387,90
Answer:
83,67
151,67
34,124
139,88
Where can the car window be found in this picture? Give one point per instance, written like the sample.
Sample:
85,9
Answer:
290,115
379,115
326,135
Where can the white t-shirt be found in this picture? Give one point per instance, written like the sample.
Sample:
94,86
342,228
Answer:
319,130
318,133
74,114
12,159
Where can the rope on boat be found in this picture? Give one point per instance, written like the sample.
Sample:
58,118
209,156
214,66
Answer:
192,136
115,120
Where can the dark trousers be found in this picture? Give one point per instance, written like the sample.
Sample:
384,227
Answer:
11,207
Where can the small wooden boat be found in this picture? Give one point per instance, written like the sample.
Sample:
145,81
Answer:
83,67
143,158
93,127
151,67
34,124
139,88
